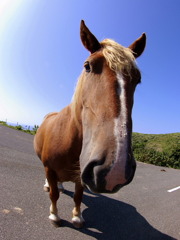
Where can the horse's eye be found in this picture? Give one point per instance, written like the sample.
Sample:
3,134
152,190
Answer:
87,67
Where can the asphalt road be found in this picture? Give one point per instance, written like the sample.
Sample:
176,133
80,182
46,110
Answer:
143,210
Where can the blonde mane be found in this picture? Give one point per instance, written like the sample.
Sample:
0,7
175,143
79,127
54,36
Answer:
119,58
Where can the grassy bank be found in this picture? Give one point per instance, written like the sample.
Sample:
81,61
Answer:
20,128
157,149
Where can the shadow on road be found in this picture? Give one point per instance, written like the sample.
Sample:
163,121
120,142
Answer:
107,218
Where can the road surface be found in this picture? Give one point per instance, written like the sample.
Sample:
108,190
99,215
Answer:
143,210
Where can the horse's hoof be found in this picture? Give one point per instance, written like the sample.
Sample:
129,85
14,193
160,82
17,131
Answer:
46,189
54,218
78,222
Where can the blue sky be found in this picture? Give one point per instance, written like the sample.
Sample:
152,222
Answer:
41,56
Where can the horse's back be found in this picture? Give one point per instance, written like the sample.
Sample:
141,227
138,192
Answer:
42,132
56,141
50,133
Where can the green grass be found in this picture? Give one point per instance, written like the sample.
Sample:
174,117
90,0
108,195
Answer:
157,149
20,128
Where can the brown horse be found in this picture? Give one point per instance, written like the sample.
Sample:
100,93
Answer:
89,141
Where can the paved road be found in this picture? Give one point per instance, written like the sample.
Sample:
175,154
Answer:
143,210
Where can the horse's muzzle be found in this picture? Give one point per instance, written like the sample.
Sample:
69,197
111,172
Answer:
94,176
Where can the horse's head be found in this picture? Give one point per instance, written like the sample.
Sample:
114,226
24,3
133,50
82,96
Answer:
103,104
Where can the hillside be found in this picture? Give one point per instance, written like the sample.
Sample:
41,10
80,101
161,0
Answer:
26,129
158,149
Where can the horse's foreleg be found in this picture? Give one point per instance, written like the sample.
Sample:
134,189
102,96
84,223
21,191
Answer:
77,218
46,186
53,194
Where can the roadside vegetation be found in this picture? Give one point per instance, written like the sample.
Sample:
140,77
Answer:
21,128
158,149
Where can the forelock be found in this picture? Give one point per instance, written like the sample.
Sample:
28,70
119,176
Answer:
119,58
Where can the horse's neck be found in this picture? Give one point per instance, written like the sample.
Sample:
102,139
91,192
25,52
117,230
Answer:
73,125
74,134
75,112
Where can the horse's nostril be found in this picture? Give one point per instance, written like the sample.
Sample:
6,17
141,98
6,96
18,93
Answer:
88,174
94,174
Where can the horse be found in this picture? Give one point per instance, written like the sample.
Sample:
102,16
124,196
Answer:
89,141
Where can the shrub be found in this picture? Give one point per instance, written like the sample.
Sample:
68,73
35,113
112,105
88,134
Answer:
158,150
19,127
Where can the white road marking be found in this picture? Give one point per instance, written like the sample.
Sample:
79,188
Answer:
18,210
6,211
15,209
173,189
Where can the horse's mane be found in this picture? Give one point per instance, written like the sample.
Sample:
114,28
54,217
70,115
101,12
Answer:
119,58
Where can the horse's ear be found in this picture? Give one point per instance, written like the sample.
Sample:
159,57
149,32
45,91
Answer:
138,46
88,39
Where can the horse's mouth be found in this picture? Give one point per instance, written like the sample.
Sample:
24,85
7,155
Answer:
94,178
